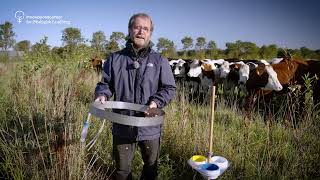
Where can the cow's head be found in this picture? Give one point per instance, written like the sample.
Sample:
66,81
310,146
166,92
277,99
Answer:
273,81
244,72
180,69
195,69
172,64
96,61
224,69
211,65
264,77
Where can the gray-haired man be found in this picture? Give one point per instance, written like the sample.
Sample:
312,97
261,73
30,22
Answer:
137,74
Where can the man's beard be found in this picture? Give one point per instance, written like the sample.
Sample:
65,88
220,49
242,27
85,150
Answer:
141,43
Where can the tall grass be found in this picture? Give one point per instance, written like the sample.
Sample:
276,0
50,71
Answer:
43,105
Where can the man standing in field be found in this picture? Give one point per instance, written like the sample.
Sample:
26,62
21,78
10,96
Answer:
137,74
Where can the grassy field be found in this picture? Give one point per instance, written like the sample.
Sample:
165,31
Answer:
43,105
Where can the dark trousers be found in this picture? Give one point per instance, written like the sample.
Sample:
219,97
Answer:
123,154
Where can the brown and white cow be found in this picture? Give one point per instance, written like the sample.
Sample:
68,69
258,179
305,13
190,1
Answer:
97,64
261,82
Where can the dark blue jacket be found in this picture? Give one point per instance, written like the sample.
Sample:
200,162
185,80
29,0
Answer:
152,81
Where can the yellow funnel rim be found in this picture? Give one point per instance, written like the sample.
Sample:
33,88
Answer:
198,158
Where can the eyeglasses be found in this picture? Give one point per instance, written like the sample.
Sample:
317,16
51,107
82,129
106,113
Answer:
138,28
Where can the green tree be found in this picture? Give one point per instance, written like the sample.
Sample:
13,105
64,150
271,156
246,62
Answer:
116,42
268,52
192,54
212,49
249,50
221,54
201,42
244,50
6,36
98,42
307,53
187,44
112,46
40,51
295,53
58,51
233,50
117,36
23,46
72,36
317,54
42,45
166,47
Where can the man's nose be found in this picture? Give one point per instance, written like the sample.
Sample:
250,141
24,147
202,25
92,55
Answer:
140,31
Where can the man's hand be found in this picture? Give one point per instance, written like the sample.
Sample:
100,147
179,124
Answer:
101,99
153,105
152,110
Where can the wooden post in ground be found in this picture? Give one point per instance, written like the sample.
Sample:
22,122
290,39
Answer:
213,92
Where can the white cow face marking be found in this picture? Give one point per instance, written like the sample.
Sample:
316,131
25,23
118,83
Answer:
244,74
179,69
195,69
273,81
224,69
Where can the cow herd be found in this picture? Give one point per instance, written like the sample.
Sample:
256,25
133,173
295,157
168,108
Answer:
255,77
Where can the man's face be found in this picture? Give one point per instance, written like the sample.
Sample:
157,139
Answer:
140,32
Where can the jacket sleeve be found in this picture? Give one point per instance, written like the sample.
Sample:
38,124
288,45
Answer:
105,86
167,86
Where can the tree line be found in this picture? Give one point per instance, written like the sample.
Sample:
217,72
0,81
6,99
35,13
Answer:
101,46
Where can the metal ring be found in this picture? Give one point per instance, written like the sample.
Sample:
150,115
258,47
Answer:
100,110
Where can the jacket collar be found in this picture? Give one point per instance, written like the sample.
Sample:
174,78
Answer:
135,53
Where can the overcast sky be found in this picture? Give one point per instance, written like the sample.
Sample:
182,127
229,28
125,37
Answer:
290,24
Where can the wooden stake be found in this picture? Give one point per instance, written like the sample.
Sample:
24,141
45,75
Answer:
213,92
